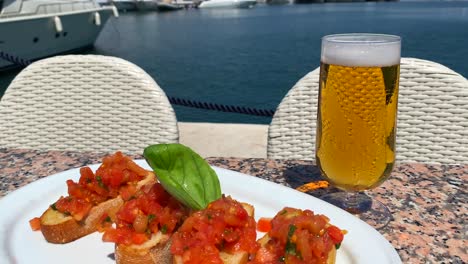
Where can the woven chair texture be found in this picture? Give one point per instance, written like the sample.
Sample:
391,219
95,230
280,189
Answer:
432,116
85,103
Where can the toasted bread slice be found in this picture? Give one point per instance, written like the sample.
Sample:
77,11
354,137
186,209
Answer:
60,228
157,250
237,258
331,255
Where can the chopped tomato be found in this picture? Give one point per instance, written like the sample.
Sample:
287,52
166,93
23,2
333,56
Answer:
223,226
264,224
76,207
105,223
150,210
335,234
128,212
131,165
298,237
87,176
118,169
138,239
119,236
117,175
35,223
127,192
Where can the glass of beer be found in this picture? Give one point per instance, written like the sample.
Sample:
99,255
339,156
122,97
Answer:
356,119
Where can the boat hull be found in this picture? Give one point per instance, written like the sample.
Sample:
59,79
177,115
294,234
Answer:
29,38
145,5
228,4
164,7
125,5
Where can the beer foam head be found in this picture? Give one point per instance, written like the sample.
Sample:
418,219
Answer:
366,50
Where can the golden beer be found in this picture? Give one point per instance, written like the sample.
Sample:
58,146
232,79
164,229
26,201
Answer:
355,144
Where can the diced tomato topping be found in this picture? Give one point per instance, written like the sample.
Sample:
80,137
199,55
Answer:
76,207
129,211
298,237
150,210
35,223
123,235
335,234
138,239
105,222
224,226
87,176
119,169
117,175
264,224
127,192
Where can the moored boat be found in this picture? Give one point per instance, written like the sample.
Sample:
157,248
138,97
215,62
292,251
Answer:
33,29
227,4
164,6
278,2
124,5
146,5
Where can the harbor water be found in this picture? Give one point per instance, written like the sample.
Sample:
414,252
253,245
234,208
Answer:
252,57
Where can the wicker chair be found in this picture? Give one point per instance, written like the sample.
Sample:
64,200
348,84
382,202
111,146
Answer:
85,103
432,116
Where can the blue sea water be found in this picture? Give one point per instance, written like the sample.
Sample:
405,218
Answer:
252,57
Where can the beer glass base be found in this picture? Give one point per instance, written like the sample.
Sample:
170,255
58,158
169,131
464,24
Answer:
371,211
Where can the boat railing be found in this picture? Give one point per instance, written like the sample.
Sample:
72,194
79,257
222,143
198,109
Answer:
65,7
28,8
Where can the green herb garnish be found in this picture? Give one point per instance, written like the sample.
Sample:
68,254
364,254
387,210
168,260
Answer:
184,174
290,246
53,207
291,230
337,246
99,180
164,229
151,217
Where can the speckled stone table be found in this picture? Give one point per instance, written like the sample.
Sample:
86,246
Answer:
428,202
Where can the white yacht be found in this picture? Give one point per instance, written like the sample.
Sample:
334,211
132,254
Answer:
124,5
227,4
33,29
164,6
146,5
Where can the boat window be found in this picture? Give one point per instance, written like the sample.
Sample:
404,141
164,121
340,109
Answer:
11,6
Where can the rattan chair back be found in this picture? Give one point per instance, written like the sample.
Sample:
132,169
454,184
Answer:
432,116
85,103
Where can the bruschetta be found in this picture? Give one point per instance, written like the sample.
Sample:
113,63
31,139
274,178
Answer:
144,225
94,200
224,232
299,237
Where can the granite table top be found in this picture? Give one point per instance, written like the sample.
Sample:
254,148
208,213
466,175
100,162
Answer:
428,202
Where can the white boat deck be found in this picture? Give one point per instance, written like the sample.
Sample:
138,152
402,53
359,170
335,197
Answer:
225,140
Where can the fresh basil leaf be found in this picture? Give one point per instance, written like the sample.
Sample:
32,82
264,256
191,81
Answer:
184,174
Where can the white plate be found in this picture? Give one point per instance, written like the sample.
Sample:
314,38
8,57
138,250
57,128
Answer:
18,244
